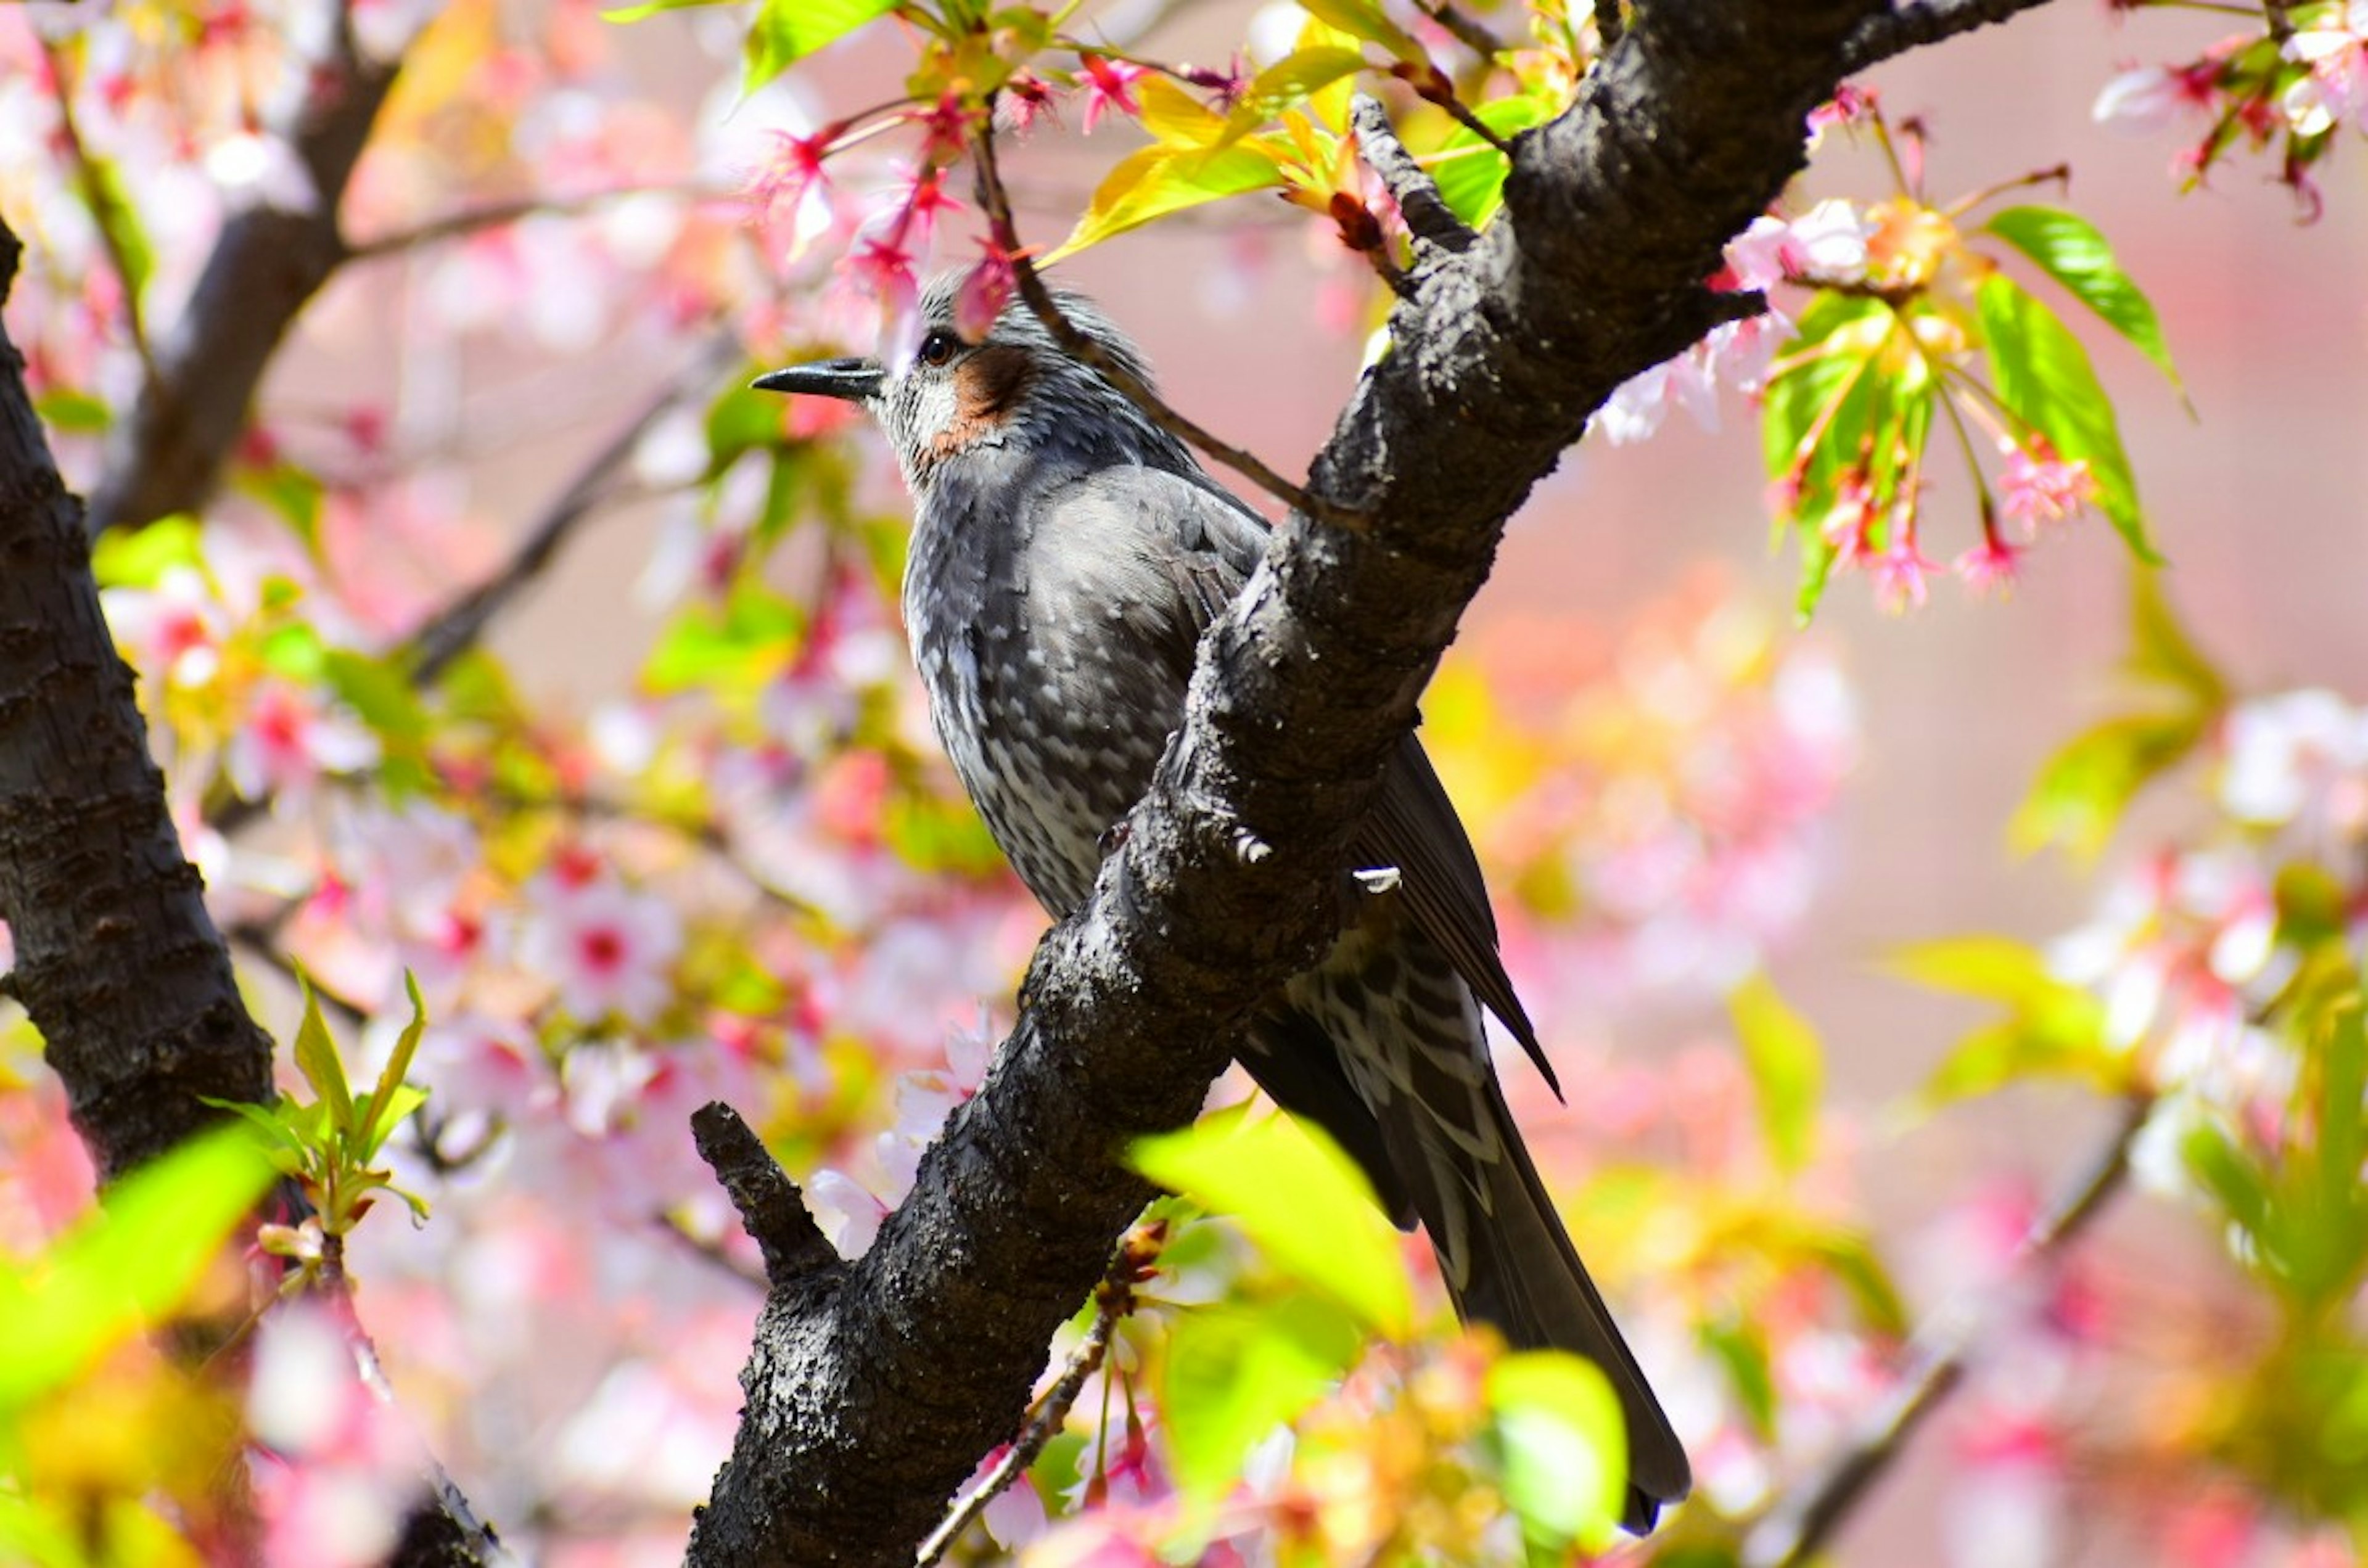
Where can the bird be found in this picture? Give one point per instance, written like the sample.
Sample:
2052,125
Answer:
1066,555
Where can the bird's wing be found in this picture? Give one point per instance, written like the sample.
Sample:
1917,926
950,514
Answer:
1216,544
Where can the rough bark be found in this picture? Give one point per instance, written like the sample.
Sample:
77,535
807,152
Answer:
873,1389
116,960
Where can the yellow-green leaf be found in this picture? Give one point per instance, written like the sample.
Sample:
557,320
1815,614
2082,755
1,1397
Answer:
316,1058
1290,82
2082,791
1787,1069
1159,180
1563,1446
1234,1374
1304,1202
1175,117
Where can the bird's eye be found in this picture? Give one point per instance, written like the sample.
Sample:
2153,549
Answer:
937,348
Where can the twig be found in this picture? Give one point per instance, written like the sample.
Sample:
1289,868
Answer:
1428,217
797,1255
469,221
997,203
1113,1301
266,265
1795,1531
107,209
452,630
1467,29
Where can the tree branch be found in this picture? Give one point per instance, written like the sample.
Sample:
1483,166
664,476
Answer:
118,962
869,1407
1914,23
267,263
1798,1529
1428,217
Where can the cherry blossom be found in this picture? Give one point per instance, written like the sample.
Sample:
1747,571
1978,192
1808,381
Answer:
2337,87
289,740
1109,88
608,950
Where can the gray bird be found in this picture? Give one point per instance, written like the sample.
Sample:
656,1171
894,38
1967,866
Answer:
1066,555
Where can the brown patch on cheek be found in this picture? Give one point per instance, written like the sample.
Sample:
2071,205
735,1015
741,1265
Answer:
988,386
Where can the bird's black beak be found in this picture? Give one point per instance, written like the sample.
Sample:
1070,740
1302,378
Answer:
857,381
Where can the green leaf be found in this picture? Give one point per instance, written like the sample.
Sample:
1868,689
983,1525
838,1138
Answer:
2044,376
140,557
1741,1346
1469,172
391,1099
783,32
1303,1201
2085,787
1287,83
316,1058
1848,1257
293,492
73,413
112,207
125,1265
1787,1069
1563,1444
786,31
1235,1374
2068,248
377,692
1159,180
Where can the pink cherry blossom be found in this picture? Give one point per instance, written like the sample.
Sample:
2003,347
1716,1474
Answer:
289,739
1899,570
2147,98
174,630
1987,566
986,289
2037,487
608,951
1110,87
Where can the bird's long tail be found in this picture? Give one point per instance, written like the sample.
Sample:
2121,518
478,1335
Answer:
1443,1143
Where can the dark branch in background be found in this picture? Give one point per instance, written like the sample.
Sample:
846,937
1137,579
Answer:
118,963
452,630
264,265
869,1405
1912,24
1797,1531
1467,29
469,221
1428,217
997,203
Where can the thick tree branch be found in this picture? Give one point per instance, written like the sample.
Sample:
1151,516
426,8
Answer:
866,1408
118,962
264,265
1911,24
